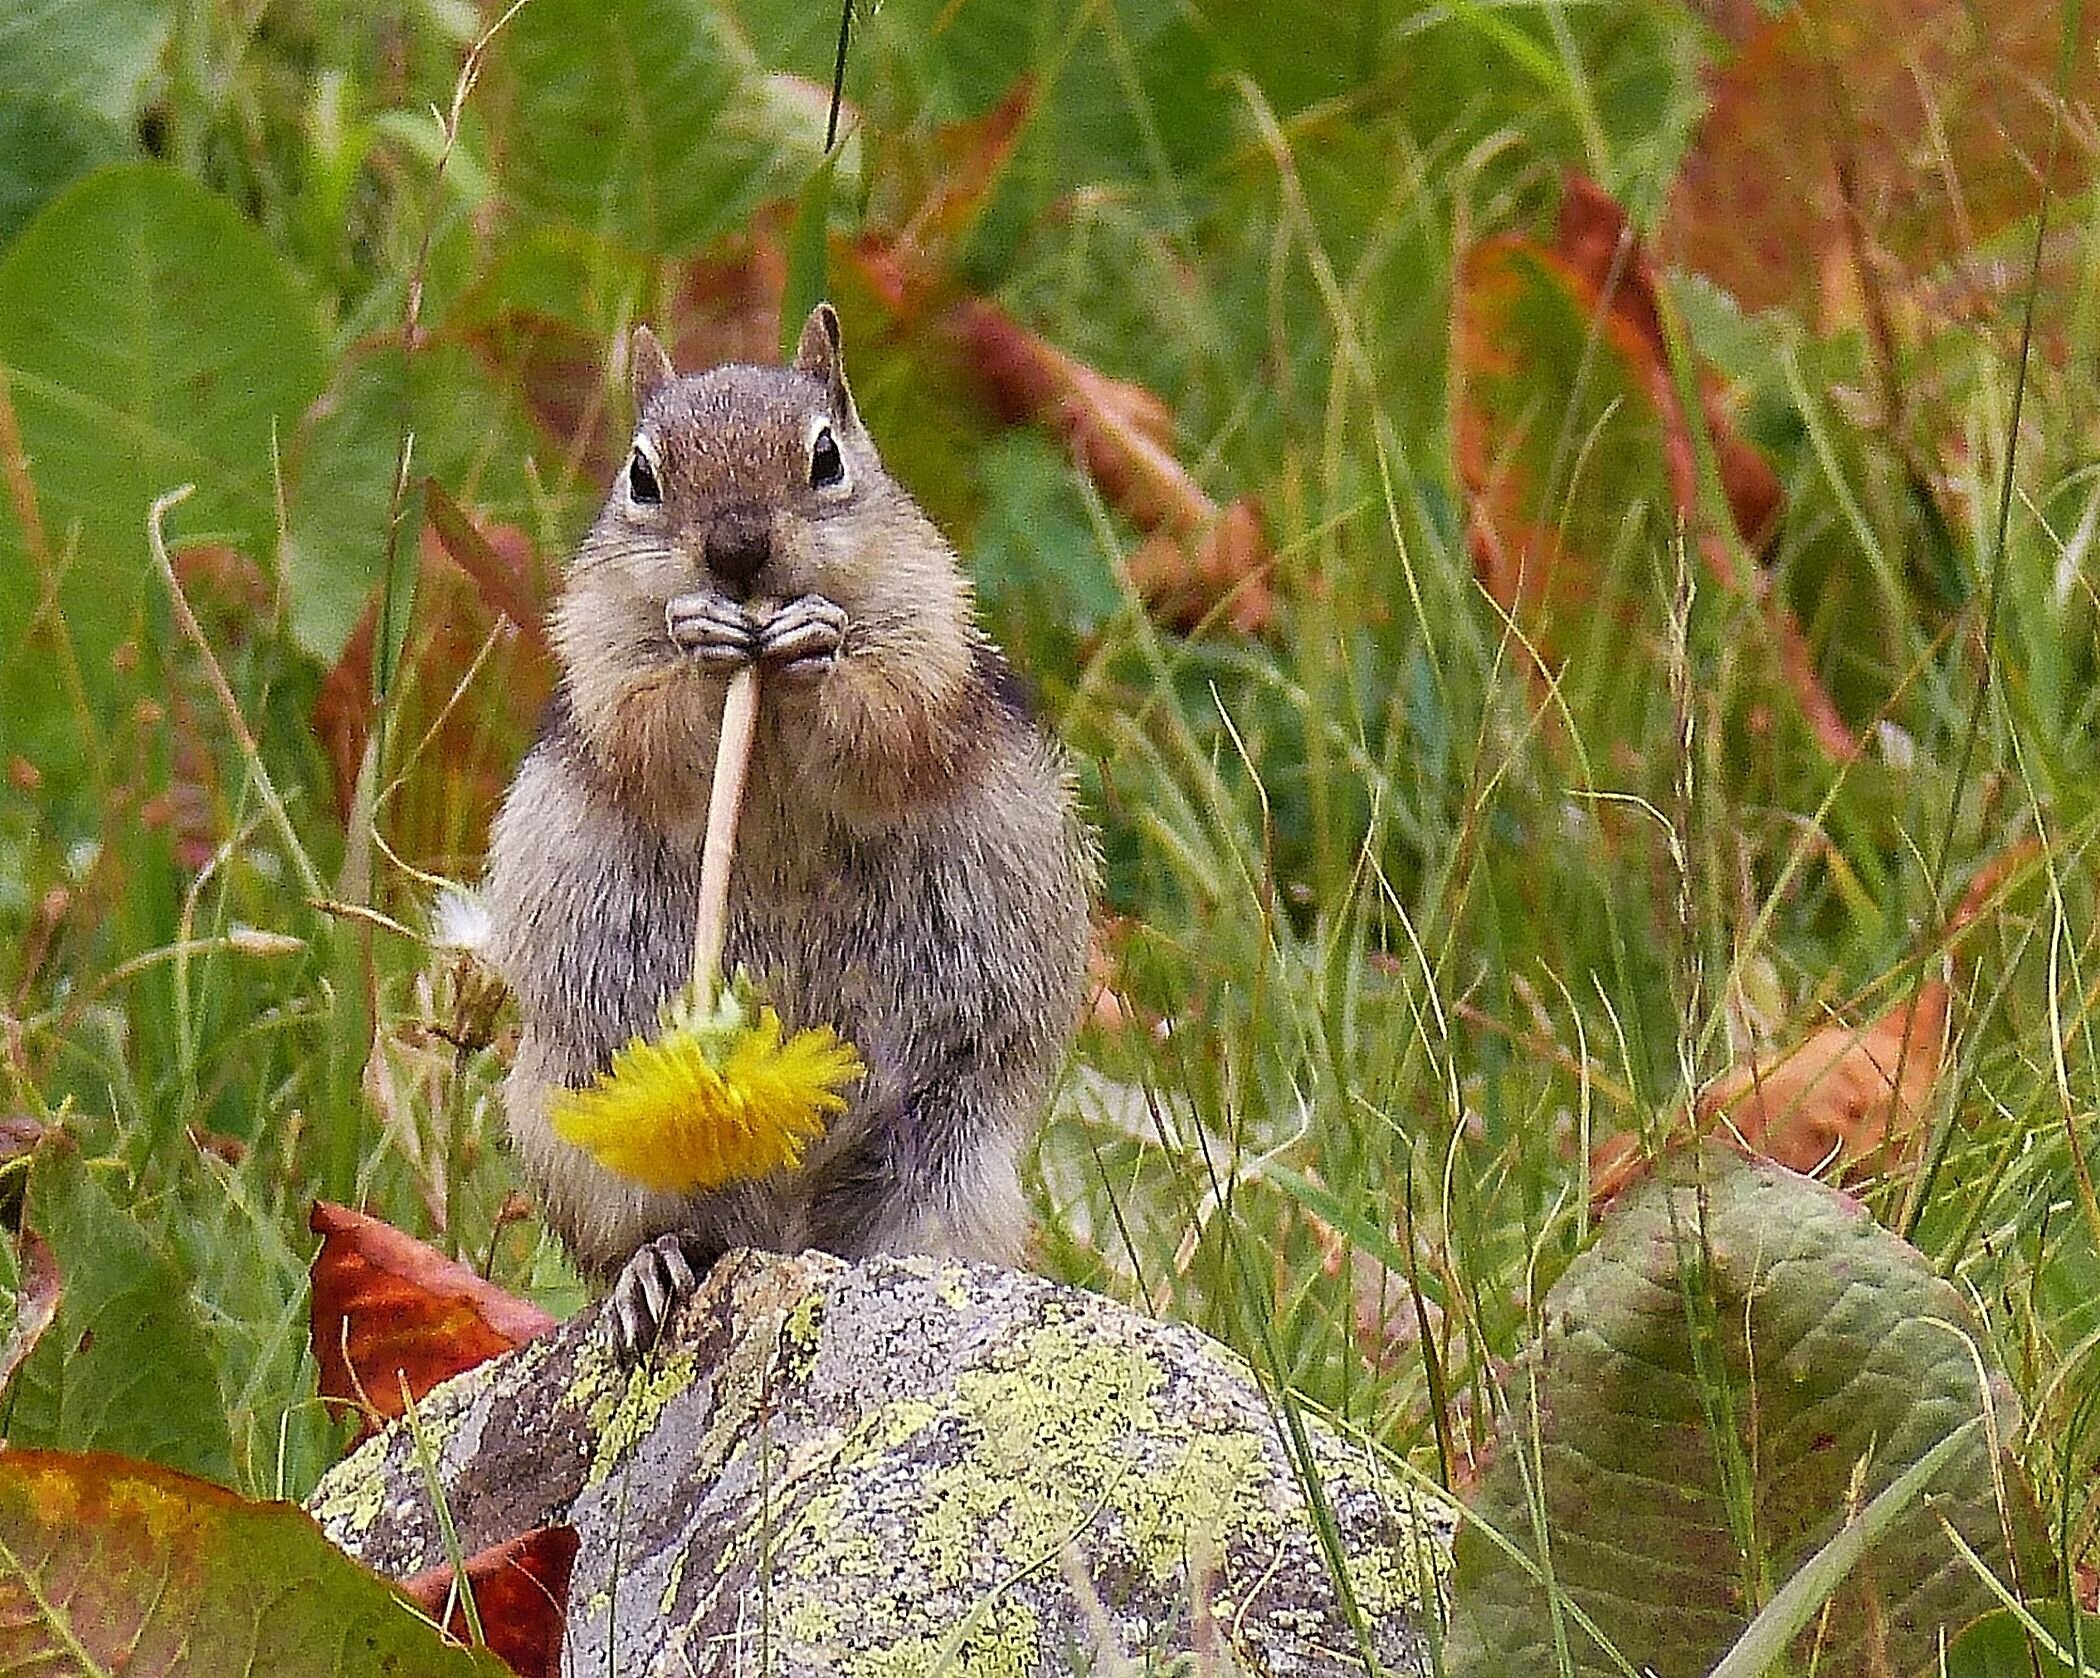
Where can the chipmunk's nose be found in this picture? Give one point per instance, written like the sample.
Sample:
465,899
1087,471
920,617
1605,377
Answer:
738,546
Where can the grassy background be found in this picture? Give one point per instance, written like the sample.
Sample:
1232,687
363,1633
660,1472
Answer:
1398,929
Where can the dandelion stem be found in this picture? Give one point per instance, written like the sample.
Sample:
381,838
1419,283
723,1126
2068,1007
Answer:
725,801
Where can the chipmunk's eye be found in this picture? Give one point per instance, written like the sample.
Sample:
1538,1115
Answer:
827,467
642,487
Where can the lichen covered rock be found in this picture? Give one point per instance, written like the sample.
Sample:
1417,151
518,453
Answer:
908,1466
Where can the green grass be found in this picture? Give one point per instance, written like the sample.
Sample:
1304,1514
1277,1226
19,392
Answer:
1401,929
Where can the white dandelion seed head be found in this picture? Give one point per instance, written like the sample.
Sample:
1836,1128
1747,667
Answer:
459,920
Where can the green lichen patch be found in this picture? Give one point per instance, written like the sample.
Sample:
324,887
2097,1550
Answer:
348,1502
667,1598
633,1414
1002,1639
801,1333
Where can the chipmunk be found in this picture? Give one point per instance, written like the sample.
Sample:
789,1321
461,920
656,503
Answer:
911,868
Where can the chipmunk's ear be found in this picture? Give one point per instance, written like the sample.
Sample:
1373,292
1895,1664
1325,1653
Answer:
822,355
649,369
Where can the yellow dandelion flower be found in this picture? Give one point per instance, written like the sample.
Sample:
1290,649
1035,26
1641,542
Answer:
717,1097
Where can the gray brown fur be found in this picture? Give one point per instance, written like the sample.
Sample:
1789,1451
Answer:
911,867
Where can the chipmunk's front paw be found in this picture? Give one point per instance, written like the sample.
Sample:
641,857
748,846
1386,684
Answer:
803,639
716,631
661,1276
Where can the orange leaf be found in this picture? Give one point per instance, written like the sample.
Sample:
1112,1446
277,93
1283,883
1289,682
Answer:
1562,355
1844,1097
1898,133
1199,559
946,186
1845,1100
386,1307
521,1594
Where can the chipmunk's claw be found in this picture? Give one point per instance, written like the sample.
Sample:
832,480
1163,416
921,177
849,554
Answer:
803,639
715,630
661,1276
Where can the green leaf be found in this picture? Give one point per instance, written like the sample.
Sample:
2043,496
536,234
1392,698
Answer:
1763,1646
150,337
1041,575
106,1563
127,1366
343,486
469,432
45,146
1742,1363
808,256
1998,1645
94,53
647,120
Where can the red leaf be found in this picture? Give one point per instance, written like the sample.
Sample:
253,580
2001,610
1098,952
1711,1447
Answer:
521,1593
386,1307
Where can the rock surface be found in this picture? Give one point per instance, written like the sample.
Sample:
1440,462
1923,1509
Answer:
910,1466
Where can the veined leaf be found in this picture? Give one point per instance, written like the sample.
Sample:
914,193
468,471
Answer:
1742,1364
128,1365
149,337
112,1566
647,120
93,53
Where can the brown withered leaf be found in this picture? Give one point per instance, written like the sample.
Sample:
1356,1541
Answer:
1848,1099
472,585
1848,1102
521,1596
36,1302
1895,133
1563,345
1200,561
387,1308
928,197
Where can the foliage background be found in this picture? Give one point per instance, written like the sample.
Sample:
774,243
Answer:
1397,929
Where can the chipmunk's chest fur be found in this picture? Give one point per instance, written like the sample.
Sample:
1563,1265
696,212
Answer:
892,935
